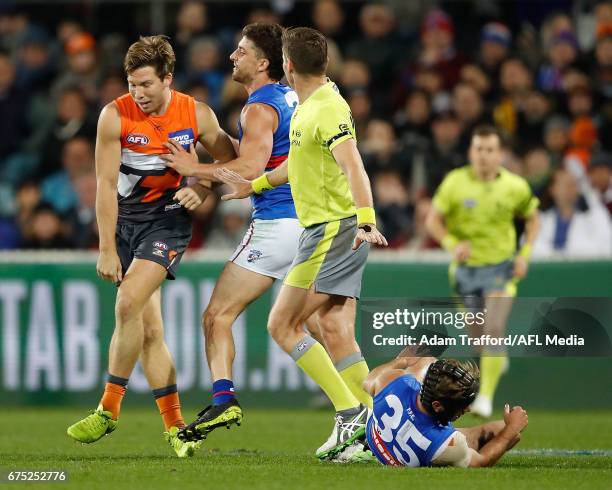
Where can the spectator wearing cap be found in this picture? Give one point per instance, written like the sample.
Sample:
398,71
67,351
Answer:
495,45
583,138
438,48
82,67
437,55
578,224
600,175
562,54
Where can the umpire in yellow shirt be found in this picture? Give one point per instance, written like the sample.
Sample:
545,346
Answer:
333,201
473,218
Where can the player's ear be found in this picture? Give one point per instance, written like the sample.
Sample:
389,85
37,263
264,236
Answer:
437,406
264,64
168,79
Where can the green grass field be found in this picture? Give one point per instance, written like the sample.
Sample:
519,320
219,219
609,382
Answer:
274,449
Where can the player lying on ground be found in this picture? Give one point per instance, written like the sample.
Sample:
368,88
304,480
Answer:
271,242
333,201
415,402
141,208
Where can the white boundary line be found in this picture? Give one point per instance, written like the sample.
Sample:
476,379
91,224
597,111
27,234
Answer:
561,452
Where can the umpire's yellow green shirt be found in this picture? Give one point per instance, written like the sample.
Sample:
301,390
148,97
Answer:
482,212
319,188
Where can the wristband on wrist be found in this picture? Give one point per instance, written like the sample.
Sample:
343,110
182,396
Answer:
261,184
449,242
525,251
366,216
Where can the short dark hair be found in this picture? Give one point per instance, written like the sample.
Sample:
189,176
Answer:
267,38
487,130
153,51
307,50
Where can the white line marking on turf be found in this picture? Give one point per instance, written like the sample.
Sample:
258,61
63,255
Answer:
561,452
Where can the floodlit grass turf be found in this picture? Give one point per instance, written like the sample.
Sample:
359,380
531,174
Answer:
274,449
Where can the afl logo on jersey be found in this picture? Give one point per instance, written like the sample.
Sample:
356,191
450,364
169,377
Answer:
137,139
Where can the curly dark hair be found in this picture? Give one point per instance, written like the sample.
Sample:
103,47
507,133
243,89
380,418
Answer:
267,39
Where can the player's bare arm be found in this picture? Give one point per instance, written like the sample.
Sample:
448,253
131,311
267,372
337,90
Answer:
515,421
347,156
521,261
259,122
435,226
108,157
382,375
213,138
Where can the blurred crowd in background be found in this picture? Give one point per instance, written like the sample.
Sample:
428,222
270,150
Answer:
418,77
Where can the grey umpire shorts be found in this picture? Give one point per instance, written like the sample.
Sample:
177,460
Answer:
325,259
470,281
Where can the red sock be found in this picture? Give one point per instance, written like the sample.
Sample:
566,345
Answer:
111,400
170,409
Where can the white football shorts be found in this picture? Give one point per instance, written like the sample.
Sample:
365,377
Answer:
269,246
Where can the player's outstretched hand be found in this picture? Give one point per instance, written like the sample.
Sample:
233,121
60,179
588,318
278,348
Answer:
515,419
188,198
109,267
185,163
369,234
240,186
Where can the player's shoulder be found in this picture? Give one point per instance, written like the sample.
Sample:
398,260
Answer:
111,113
257,113
331,96
203,110
109,122
110,110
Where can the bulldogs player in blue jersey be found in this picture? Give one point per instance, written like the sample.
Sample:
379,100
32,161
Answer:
416,399
271,242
